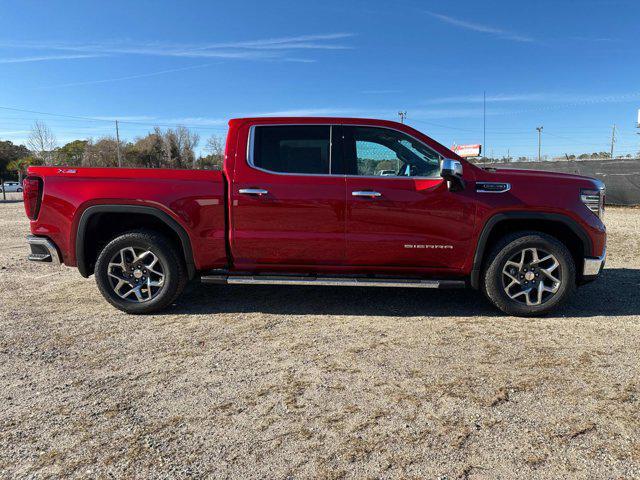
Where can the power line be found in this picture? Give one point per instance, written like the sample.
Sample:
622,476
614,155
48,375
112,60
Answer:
574,140
449,127
94,119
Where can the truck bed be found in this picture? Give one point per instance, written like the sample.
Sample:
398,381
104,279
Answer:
193,198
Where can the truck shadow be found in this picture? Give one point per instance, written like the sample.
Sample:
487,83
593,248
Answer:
615,293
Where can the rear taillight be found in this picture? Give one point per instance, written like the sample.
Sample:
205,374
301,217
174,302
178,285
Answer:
32,194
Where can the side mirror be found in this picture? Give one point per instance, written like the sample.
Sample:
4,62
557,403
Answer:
451,171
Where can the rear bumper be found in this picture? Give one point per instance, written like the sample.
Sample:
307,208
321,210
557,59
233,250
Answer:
593,266
43,250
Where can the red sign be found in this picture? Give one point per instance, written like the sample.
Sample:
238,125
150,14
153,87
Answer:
467,150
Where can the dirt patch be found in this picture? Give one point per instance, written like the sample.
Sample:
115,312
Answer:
299,382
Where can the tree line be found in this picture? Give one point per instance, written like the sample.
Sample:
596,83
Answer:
169,148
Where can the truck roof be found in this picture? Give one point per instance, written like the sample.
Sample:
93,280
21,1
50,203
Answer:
235,123
338,120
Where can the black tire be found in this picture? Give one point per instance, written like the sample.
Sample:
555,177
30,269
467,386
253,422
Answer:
170,263
19,190
495,279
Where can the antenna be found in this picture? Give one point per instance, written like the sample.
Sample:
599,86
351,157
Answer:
402,116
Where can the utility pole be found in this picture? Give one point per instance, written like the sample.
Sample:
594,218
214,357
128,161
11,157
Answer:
539,129
118,140
613,138
484,120
402,116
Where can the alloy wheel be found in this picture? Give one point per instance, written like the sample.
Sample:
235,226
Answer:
136,274
531,276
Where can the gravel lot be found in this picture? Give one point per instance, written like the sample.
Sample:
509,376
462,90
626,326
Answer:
299,382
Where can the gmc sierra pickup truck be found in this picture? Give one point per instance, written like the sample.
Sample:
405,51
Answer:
322,201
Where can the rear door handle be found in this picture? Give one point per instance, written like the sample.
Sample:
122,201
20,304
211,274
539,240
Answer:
253,191
366,193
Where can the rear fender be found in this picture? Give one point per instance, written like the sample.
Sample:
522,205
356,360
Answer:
81,259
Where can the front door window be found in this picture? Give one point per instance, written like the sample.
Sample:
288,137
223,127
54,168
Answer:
389,153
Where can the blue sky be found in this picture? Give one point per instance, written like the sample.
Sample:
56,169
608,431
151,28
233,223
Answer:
571,66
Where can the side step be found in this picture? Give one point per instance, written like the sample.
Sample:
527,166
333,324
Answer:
330,281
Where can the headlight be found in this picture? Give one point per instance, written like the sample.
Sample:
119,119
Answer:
593,199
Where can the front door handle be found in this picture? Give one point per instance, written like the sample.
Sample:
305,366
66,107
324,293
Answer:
366,193
253,191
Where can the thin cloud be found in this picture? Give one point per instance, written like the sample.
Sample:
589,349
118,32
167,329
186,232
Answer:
523,97
281,41
45,58
160,51
298,60
197,121
380,92
125,118
303,112
539,97
477,27
597,40
261,49
128,77
445,113
14,132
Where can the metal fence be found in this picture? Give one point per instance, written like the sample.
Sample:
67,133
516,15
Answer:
621,175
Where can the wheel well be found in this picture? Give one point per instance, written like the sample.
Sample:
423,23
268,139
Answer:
560,230
102,227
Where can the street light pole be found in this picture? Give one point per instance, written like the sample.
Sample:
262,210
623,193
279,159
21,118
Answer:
613,138
539,129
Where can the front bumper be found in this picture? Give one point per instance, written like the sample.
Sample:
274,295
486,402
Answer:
43,250
593,266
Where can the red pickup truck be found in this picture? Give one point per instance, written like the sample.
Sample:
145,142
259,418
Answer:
322,201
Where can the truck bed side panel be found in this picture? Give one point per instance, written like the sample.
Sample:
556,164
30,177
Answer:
194,198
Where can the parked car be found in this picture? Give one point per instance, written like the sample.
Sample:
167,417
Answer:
10,187
295,206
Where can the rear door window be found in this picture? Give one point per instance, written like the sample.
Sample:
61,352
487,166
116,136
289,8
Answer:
303,149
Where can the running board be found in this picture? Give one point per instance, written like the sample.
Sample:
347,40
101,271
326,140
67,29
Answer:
330,281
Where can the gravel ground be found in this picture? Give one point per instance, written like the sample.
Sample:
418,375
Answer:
299,382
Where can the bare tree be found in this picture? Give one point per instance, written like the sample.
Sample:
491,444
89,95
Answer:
103,153
169,151
42,142
179,146
215,151
215,146
187,142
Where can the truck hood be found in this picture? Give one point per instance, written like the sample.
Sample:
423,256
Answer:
515,175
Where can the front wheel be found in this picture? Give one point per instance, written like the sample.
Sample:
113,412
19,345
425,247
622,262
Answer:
140,272
529,274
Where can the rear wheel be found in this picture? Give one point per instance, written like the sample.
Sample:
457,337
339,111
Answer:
140,272
529,274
